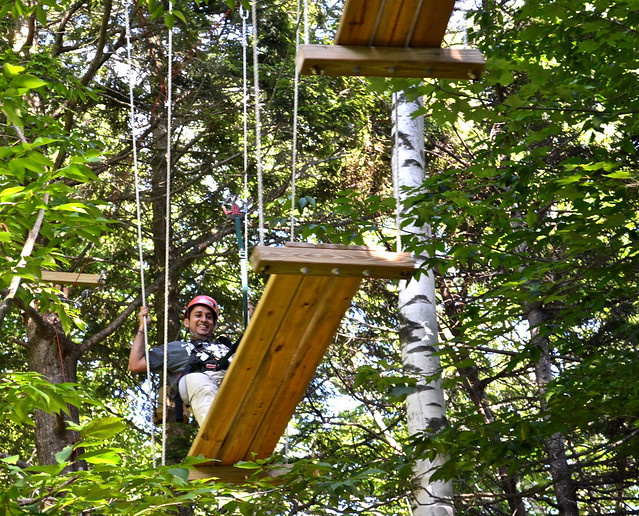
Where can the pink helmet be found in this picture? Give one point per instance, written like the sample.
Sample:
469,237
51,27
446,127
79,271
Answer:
203,300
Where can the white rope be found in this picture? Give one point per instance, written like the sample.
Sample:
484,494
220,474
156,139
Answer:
169,117
306,22
258,129
296,88
134,147
245,194
395,169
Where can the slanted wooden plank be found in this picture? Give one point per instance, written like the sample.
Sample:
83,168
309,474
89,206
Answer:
358,22
244,369
259,405
319,331
405,23
357,262
71,278
443,63
293,325
431,23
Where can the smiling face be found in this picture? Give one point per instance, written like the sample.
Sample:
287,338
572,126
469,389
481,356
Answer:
200,322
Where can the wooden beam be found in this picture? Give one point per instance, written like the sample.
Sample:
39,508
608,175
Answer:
72,278
293,325
442,63
351,261
235,475
405,23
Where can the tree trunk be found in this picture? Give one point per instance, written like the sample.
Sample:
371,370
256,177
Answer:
555,447
426,411
52,354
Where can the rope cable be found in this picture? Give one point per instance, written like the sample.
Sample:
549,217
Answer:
296,84
134,147
244,14
296,88
258,129
169,117
245,194
395,173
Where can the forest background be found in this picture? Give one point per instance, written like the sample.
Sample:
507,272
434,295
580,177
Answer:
531,194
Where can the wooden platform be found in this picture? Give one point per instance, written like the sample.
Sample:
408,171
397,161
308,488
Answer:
72,278
391,38
441,63
394,23
293,325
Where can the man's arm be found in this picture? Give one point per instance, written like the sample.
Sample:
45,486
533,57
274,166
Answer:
137,357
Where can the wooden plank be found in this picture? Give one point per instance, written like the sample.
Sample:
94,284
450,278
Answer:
275,371
431,23
319,335
264,325
442,63
358,22
71,278
394,23
293,325
358,262
235,475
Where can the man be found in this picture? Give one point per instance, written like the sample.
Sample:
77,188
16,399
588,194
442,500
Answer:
196,368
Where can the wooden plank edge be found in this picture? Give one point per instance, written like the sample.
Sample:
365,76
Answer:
342,60
321,261
72,278
236,475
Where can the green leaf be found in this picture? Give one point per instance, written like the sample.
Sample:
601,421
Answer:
11,70
169,20
12,459
27,81
63,454
112,457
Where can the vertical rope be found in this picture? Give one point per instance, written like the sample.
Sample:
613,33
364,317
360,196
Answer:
296,84
138,209
395,169
244,15
306,22
169,117
258,129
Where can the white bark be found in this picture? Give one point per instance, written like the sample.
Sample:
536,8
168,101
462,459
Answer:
426,410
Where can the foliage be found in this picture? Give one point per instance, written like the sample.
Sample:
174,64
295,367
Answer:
532,197
535,213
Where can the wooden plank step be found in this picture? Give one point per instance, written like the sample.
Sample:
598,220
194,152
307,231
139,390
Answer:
441,63
335,261
72,278
394,23
293,325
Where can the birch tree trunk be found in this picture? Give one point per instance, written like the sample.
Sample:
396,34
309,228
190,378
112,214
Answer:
426,411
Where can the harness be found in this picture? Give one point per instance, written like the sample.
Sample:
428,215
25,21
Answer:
201,360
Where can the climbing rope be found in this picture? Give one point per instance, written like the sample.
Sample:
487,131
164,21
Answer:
169,121
395,173
138,209
258,128
296,87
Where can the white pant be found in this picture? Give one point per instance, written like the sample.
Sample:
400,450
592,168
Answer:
198,391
